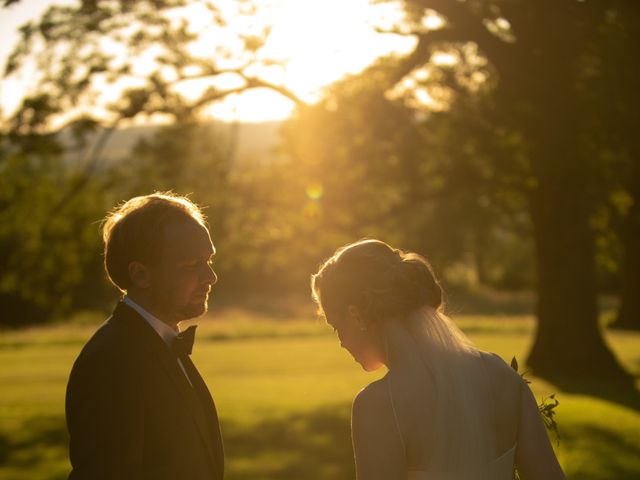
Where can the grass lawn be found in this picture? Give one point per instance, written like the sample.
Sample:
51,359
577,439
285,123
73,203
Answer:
283,390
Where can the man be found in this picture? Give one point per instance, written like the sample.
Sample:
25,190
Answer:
136,406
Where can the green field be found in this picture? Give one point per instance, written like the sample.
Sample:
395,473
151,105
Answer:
283,390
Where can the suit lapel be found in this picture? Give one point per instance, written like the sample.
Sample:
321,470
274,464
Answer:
168,362
209,407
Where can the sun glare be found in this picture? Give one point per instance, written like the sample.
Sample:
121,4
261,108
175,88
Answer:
318,42
315,42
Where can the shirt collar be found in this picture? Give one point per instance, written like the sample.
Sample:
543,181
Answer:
165,331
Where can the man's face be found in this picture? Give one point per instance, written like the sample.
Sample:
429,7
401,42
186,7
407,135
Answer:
182,278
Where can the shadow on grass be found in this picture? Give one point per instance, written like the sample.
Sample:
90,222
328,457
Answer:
603,454
38,450
312,445
622,392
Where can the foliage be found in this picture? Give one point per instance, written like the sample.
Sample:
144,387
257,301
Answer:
539,104
440,184
166,59
546,407
56,185
151,49
489,148
49,264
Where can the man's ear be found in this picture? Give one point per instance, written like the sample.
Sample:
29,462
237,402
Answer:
139,274
353,312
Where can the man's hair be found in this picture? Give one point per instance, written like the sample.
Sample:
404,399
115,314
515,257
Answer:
134,231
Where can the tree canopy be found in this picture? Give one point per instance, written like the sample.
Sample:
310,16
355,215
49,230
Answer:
502,146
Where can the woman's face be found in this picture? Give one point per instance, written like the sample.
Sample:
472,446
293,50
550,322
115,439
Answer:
360,338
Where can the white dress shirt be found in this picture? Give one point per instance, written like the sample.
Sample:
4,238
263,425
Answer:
165,331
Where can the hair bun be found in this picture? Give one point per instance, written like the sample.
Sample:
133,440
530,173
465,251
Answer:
416,278
384,282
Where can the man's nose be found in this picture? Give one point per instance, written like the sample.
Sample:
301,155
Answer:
212,278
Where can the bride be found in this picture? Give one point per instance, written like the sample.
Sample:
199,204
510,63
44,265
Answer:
445,410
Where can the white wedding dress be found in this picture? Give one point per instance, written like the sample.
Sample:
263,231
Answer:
499,469
444,402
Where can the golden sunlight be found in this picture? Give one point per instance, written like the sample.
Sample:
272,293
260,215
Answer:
318,42
315,43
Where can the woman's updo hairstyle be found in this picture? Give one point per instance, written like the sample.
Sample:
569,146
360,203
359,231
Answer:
382,281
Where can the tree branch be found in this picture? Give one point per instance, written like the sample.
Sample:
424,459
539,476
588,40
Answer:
92,160
462,26
251,82
285,92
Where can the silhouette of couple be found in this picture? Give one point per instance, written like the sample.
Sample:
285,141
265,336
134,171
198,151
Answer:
137,408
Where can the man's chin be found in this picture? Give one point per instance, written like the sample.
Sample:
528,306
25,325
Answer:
194,310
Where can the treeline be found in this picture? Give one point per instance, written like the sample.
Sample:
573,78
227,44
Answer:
503,147
369,167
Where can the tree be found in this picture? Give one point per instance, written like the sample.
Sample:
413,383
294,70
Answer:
146,53
621,114
424,183
47,265
539,54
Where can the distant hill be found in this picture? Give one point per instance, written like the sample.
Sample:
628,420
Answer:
255,141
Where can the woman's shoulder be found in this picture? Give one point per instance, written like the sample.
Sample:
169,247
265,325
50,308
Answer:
505,392
498,370
374,397
376,434
506,383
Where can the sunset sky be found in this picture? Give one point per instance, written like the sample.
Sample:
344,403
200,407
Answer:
321,40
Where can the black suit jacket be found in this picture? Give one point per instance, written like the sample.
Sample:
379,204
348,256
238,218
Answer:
131,412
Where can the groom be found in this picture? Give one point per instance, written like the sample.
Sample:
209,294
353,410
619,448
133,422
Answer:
136,407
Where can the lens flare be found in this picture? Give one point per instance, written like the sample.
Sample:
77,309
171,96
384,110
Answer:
315,191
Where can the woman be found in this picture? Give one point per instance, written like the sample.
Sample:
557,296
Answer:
444,410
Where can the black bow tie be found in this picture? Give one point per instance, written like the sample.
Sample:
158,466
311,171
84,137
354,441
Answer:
183,342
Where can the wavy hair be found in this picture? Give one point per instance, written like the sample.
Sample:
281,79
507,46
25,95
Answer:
381,280
134,231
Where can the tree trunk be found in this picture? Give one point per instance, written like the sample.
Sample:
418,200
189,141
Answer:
623,121
568,346
568,343
538,96
629,315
